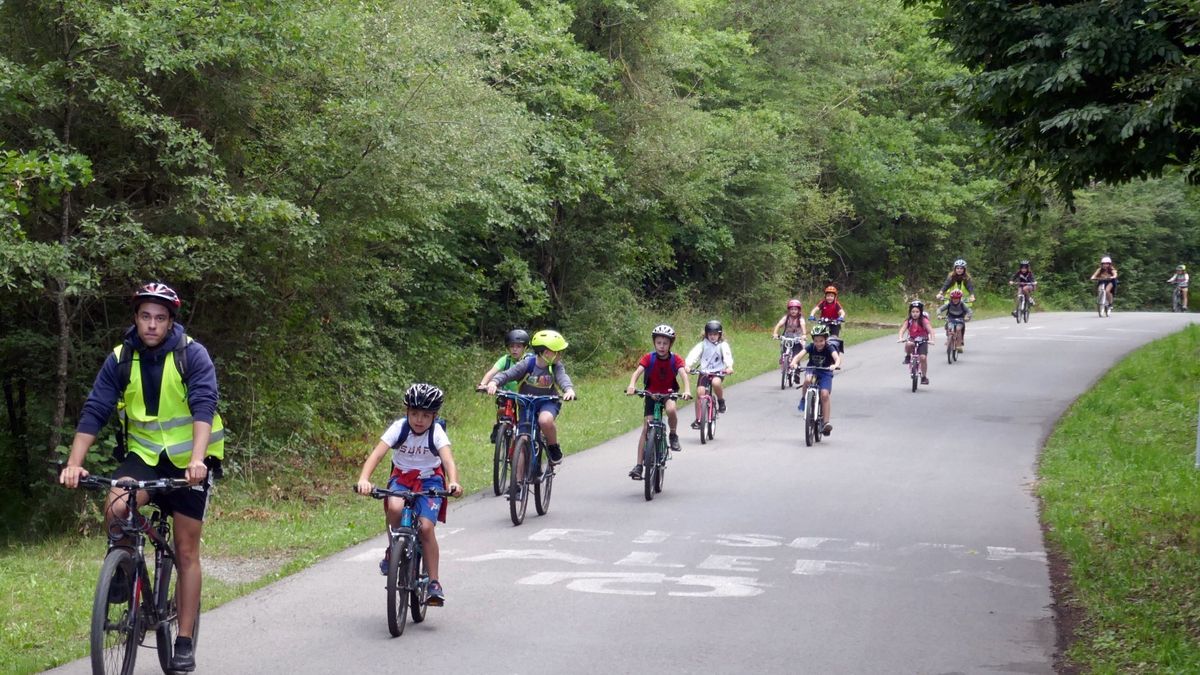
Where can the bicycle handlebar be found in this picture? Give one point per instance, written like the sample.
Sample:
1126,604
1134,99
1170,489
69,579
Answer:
530,398
157,485
674,396
406,495
706,372
916,340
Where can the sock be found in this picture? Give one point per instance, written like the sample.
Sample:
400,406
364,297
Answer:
181,641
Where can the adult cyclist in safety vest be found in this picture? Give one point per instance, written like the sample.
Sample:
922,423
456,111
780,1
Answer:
959,279
172,430
540,375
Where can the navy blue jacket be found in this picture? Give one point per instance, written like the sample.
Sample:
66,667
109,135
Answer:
200,380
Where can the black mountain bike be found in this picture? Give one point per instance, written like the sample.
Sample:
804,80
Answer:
655,452
131,600
407,578
532,470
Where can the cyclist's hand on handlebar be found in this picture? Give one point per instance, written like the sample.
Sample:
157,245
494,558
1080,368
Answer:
728,371
971,298
70,476
196,472
491,388
939,296
363,487
687,396
629,391
455,489
568,395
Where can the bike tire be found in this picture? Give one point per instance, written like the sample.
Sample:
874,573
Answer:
808,421
500,461
418,597
543,488
1025,312
660,475
712,423
783,377
649,464
116,627
704,413
915,378
950,350
165,588
518,484
397,591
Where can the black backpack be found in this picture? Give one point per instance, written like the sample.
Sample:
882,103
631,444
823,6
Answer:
441,422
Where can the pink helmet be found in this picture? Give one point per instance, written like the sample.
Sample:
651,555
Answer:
794,303
159,293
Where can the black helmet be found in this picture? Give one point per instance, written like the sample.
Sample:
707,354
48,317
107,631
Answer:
422,396
516,336
713,326
1024,263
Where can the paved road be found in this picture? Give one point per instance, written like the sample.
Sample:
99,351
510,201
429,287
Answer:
907,542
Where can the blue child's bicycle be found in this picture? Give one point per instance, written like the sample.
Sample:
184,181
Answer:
407,579
531,468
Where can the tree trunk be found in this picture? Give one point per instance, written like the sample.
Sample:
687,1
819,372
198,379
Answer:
60,295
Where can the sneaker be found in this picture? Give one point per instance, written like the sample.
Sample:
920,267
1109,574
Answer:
495,430
907,359
184,657
554,452
696,424
924,380
1014,313
636,472
721,405
118,591
437,597
828,429
383,564
673,440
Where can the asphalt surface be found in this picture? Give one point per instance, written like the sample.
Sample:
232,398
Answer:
906,542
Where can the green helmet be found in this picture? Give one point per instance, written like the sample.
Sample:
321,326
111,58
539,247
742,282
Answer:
548,339
819,329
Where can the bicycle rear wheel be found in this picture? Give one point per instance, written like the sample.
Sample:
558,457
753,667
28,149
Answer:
500,461
397,593
518,484
419,595
542,488
116,617
649,463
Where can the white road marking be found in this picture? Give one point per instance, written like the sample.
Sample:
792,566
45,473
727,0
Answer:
567,534
610,583
814,543
747,540
531,554
812,568
1006,553
645,559
652,537
732,563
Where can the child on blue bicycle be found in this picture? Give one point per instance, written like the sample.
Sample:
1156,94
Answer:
711,355
661,370
539,375
421,460
821,353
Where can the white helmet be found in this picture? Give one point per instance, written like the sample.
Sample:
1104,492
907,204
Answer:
663,330
1106,259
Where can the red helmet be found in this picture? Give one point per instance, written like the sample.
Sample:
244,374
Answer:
160,293
795,303
956,294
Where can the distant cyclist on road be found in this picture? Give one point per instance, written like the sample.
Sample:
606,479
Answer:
1024,282
1106,275
959,279
515,343
711,355
916,325
540,375
1180,279
660,371
957,314
822,353
793,326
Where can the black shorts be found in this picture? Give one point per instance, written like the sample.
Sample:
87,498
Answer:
191,502
922,348
648,407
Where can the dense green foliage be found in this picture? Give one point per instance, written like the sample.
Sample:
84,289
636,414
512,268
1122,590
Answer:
346,194
1121,499
1084,91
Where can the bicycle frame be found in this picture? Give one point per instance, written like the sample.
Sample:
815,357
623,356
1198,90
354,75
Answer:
786,345
529,432
707,403
407,559
656,428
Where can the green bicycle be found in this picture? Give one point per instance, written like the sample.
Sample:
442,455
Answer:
655,453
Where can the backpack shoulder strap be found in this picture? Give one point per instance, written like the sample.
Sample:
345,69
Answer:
646,373
180,354
124,367
403,435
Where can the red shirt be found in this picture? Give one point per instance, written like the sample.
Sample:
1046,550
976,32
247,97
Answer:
829,310
662,374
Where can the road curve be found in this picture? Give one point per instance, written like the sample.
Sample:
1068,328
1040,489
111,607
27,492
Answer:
907,542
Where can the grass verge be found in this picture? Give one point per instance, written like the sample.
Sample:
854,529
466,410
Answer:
1121,507
280,516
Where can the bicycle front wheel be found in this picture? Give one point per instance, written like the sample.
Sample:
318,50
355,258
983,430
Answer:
397,591
500,461
809,415
703,419
518,484
661,453
116,617
542,488
712,420
166,600
649,463
783,376
950,350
